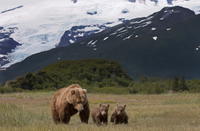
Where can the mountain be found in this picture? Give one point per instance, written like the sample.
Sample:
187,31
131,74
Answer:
40,24
164,44
7,44
78,33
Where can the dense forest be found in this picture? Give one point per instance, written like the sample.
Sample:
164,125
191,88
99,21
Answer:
97,75
93,73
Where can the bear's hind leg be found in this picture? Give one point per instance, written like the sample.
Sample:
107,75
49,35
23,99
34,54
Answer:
55,116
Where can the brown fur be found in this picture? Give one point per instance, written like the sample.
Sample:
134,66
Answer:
68,101
100,114
119,116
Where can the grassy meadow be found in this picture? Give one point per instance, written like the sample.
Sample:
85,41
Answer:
30,111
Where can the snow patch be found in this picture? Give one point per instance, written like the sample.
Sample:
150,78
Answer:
94,42
90,42
79,35
105,38
143,24
153,28
162,19
113,33
168,29
88,28
122,31
143,20
128,37
1,55
1,40
155,37
121,28
71,41
58,58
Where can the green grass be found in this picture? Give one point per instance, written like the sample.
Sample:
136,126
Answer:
109,90
166,112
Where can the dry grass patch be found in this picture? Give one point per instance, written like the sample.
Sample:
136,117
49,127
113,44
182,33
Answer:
167,112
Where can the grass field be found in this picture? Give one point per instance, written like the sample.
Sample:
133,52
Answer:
166,112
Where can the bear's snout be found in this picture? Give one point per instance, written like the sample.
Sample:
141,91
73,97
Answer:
79,107
118,112
103,113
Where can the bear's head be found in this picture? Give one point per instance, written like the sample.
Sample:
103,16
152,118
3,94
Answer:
120,109
78,98
103,108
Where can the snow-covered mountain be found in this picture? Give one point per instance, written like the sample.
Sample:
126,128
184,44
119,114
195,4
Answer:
7,44
39,24
164,44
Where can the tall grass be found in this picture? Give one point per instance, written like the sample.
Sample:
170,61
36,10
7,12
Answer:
167,112
17,116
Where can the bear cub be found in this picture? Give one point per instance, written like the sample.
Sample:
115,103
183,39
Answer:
100,114
119,116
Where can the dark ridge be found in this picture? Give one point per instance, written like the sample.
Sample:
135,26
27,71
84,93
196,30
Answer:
5,11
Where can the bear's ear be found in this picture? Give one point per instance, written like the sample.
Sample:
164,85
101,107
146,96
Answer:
85,91
124,106
73,92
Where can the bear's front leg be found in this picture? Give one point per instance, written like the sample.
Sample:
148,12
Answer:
63,115
105,120
66,119
126,120
113,118
98,121
85,114
116,120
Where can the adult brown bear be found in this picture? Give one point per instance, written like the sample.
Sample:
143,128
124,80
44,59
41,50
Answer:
68,101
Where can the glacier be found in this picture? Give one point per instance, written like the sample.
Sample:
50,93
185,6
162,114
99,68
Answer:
40,24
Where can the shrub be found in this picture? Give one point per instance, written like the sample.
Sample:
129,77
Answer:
9,90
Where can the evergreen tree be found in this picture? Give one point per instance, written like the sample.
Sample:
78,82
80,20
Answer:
175,84
183,85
